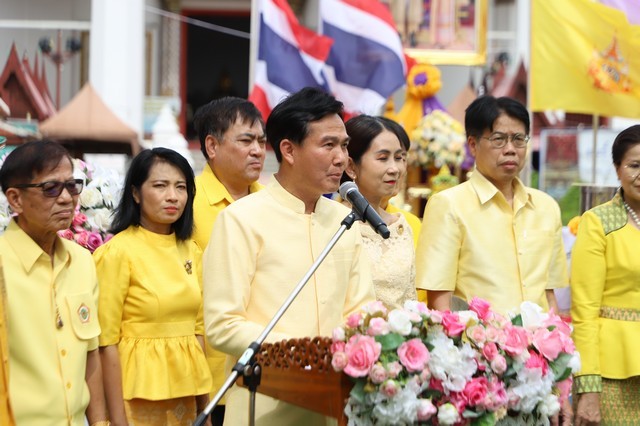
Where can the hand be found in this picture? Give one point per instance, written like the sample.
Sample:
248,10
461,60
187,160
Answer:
566,414
588,411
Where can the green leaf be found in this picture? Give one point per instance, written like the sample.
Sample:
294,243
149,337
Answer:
560,367
357,392
517,320
486,419
390,341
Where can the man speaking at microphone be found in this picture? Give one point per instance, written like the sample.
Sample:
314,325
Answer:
263,244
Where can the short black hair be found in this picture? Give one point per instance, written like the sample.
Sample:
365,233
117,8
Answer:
291,117
626,139
216,117
30,159
128,211
482,113
363,129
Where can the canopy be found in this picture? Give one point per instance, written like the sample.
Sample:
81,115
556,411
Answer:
86,124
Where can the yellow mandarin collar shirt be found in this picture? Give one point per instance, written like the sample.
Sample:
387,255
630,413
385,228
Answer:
211,198
475,244
47,364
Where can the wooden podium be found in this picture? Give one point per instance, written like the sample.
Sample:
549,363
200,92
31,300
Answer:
298,371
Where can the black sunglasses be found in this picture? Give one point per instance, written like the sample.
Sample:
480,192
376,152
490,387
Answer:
53,188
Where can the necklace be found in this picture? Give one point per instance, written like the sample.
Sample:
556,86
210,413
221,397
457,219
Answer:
632,212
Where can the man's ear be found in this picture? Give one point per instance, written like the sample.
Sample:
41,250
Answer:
287,149
352,169
211,144
472,141
14,197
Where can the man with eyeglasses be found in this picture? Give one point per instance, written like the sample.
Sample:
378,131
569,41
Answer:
55,376
491,236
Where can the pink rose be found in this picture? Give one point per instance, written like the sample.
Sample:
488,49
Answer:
451,323
554,320
363,352
389,388
108,237
353,320
66,234
79,219
549,343
339,361
475,391
536,361
477,334
496,395
490,350
414,355
373,308
567,343
393,369
378,374
425,375
81,238
94,240
378,327
517,340
337,346
435,317
481,307
426,409
499,364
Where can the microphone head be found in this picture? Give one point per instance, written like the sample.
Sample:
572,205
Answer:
346,188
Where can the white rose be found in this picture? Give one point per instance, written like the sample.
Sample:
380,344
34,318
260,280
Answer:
400,322
90,197
99,219
575,362
448,414
532,315
467,316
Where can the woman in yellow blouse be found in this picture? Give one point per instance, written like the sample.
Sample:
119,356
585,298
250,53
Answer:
151,298
605,293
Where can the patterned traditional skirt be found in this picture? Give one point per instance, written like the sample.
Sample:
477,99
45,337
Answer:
170,412
620,402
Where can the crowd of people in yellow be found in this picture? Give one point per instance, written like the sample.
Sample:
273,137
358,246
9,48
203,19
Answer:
143,332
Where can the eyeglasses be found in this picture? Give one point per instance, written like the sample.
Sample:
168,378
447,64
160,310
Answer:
53,188
499,140
632,170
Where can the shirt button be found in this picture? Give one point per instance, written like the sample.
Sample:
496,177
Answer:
63,352
68,385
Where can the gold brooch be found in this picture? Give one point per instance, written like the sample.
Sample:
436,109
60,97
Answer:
400,229
188,266
84,313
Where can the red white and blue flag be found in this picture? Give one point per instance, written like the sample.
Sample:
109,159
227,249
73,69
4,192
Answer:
290,56
366,63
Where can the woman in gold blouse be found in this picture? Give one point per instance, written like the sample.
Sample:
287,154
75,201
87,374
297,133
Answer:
605,292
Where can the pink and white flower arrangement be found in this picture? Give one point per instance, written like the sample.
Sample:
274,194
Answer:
474,367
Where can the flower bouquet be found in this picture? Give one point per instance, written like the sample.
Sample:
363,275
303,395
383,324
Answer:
437,140
415,365
97,201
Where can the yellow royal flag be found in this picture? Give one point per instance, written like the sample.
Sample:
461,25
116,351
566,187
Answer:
585,58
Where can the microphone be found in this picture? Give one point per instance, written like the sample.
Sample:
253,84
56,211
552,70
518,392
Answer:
349,191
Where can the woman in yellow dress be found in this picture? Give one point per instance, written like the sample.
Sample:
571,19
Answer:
605,297
150,304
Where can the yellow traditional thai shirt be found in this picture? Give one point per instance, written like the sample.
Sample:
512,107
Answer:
605,296
474,243
48,364
151,307
6,414
211,198
261,246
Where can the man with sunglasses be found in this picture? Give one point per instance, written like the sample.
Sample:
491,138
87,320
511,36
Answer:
55,375
491,236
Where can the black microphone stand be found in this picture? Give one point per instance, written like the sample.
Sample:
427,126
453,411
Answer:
246,365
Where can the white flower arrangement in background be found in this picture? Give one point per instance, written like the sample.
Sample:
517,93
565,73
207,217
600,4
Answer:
438,140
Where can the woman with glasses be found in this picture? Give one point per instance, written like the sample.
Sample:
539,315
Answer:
51,291
150,307
377,160
605,294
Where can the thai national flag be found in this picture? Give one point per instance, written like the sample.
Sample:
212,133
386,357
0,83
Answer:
290,56
366,64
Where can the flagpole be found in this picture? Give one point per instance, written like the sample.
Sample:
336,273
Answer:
594,126
253,41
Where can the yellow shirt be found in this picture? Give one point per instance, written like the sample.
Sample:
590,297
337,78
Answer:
211,198
151,307
474,244
48,365
6,415
261,247
605,292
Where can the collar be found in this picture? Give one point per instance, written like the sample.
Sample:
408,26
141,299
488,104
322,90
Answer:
215,191
290,201
487,191
28,252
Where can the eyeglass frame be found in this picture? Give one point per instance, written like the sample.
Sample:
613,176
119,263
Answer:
507,138
70,185
637,172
